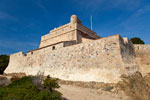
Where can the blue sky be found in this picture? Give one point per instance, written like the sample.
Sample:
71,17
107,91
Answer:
23,22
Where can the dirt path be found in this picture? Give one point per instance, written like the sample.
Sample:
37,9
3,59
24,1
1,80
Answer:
78,93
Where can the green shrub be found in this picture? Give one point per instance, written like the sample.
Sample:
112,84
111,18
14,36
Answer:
4,60
47,95
109,88
137,40
24,89
50,83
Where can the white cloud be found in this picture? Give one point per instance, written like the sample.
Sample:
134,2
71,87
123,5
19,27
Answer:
138,16
6,16
141,11
41,5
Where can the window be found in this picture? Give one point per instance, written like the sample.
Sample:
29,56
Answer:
53,48
31,53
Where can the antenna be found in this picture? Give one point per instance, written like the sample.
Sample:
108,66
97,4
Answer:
91,23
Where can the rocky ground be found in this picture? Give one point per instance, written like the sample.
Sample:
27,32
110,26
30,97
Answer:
133,87
79,93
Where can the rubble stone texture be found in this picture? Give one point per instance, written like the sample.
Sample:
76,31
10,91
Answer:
74,52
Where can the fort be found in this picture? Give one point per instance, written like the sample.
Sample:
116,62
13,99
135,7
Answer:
75,52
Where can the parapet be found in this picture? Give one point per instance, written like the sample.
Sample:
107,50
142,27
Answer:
18,54
142,47
143,57
99,61
73,31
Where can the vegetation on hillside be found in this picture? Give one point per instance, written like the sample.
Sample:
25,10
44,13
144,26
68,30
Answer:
25,89
136,86
137,40
4,60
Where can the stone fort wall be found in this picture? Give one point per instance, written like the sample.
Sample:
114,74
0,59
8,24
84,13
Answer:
64,33
72,31
143,57
102,60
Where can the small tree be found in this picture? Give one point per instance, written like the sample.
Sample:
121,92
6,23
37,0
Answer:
50,83
137,40
25,89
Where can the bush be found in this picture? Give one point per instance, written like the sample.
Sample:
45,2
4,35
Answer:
137,40
24,89
109,88
50,83
4,60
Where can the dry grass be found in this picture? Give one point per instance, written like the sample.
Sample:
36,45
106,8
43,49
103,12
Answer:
92,85
135,86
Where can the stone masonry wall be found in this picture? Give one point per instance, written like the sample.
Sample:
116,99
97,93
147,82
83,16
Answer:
100,60
64,33
88,31
128,55
68,32
143,57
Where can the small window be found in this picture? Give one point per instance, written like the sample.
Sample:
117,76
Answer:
31,53
53,48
